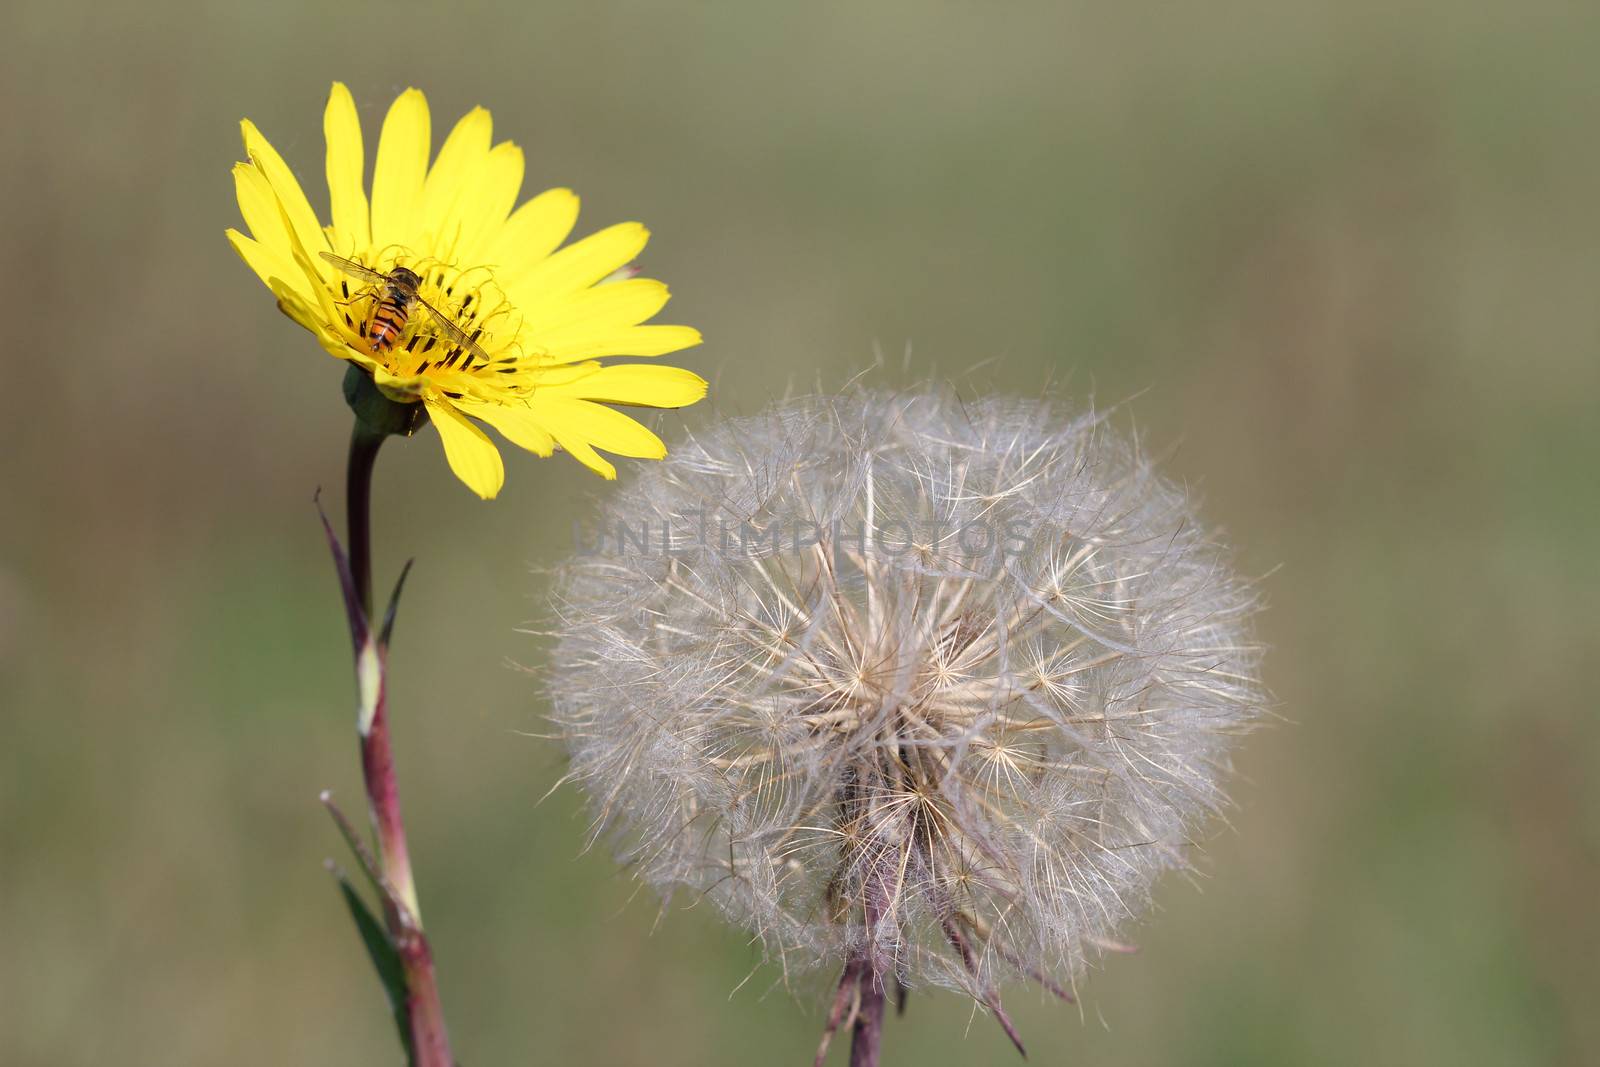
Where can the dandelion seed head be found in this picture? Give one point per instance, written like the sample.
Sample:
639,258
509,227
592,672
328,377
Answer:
964,685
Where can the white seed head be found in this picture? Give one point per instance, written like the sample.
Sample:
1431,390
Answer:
944,682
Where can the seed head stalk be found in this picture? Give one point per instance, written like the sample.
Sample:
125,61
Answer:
422,1018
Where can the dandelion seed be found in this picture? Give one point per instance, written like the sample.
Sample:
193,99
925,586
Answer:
951,735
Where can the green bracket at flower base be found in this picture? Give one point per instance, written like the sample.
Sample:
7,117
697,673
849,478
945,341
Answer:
378,413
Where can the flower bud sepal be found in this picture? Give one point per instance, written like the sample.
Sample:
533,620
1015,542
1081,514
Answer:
378,413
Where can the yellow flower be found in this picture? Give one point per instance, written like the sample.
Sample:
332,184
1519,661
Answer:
520,326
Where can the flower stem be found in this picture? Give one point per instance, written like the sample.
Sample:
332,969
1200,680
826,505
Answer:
364,444
430,1045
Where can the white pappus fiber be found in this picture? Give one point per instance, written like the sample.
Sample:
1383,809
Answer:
934,683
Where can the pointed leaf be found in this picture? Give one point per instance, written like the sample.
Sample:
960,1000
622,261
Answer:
358,847
394,604
385,958
347,581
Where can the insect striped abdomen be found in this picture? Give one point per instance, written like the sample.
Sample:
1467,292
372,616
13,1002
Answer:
388,321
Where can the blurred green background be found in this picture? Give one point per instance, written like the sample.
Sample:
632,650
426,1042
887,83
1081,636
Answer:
1342,256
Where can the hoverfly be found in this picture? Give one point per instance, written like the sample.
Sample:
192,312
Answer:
397,299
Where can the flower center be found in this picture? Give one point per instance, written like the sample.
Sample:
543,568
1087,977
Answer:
431,324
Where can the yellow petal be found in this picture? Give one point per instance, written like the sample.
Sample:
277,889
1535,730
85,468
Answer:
294,305
259,208
533,231
270,265
488,200
268,219
634,383
580,427
471,454
460,159
310,267
397,387
629,341
604,308
397,176
285,187
334,345
516,424
575,267
347,161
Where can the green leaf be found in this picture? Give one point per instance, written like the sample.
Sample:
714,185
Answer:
394,606
385,959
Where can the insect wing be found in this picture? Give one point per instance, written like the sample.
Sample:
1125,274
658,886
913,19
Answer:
453,333
350,266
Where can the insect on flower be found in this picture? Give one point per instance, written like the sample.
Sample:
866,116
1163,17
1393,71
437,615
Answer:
395,298
475,307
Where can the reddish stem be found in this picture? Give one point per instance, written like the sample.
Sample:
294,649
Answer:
383,798
429,1041
867,1043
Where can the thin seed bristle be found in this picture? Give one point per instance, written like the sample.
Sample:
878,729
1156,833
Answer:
929,687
